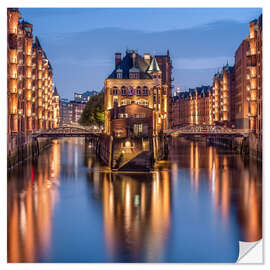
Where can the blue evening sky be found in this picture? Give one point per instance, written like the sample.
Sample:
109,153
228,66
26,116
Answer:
80,43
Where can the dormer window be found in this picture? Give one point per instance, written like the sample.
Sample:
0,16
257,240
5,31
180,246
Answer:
134,73
119,73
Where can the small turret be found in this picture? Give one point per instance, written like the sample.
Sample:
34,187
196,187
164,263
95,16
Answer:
154,67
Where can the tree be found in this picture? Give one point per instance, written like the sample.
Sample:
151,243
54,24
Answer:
93,113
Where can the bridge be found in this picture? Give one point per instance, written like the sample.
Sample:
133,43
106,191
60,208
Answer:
207,131
67,131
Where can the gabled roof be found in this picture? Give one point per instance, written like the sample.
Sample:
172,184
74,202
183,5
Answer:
25,22
228,68
37,43
154,67
55,93
126,65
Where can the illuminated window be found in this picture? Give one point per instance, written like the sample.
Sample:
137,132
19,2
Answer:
145,91
138,91
130,91
119,75
115,91
124,91
138,128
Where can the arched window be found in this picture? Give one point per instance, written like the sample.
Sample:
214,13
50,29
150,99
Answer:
115,91
138,91
130,91
124,91
145,91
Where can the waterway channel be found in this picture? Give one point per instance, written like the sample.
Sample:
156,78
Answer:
65,206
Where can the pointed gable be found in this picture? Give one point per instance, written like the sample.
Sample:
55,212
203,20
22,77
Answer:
154,67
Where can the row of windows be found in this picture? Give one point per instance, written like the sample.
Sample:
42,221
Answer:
125,115
140,102
130,91
132,75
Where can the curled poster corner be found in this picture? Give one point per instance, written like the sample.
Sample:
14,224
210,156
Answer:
250,252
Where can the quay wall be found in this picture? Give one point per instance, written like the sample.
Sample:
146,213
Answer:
24,147
118,152
250,147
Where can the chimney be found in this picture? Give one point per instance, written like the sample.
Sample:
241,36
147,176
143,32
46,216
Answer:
117,58
133,59
147,58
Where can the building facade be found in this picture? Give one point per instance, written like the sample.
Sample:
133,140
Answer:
29,81
193,107
254,82
136,99
165,64
84,97
239,109
223,87
254,86
77,110
65,112
56,108
70,111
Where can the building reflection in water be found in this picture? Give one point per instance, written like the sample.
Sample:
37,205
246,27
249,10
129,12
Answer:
137,214
30,206
142,213
235,185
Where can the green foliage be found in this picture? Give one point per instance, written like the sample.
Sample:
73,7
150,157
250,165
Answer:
93,113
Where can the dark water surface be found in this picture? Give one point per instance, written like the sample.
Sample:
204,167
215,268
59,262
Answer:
66,207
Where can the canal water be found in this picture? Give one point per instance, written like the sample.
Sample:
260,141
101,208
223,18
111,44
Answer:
65,206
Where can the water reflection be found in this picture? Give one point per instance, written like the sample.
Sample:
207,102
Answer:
196,207
136,214
32,195
232,182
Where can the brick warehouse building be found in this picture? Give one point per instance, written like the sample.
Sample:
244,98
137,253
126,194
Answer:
30,90
193,107
237,92
136,95
240,92
223,87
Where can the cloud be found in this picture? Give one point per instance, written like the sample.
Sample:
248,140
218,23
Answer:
82,60
202,63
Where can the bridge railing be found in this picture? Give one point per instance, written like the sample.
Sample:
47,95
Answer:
204,129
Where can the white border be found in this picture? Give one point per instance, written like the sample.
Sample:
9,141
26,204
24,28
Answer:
139,3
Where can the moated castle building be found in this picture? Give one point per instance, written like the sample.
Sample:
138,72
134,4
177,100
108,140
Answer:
138,95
